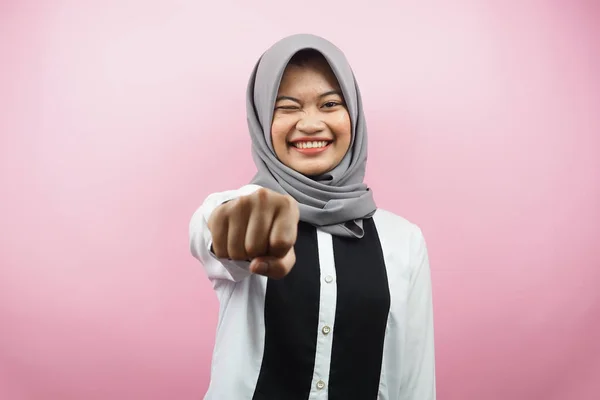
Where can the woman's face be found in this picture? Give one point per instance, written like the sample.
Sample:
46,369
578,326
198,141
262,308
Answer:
311,127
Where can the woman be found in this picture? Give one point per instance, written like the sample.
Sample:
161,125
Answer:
322,295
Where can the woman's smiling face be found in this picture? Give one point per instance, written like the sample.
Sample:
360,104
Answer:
311,129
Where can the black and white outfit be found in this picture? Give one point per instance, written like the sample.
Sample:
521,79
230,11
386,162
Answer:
353,319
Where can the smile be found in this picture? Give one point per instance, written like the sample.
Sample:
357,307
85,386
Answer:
310,145
313,147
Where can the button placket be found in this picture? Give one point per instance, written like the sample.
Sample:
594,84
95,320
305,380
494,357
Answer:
328,298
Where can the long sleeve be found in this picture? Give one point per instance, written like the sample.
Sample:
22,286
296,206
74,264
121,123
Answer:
201,239
418,378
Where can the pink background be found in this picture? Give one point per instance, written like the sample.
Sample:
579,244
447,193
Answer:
117,118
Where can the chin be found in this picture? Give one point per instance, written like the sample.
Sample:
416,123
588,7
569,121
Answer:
311,168
313,172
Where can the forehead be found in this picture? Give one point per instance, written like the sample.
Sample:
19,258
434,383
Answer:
314,75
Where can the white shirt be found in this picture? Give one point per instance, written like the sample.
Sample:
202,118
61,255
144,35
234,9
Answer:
352,320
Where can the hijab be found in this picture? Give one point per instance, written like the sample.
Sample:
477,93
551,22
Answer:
336,201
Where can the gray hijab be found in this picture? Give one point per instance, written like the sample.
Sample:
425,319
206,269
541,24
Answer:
337,201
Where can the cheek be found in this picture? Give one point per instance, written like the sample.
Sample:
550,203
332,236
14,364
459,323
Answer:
279,131
343,128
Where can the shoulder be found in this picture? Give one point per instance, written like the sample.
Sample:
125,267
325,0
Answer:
389,223
402,240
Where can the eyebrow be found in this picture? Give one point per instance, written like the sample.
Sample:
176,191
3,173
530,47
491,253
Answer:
328,93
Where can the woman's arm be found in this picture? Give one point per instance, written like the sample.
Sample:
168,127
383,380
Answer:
418,380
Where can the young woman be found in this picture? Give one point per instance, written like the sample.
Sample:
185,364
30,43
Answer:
322,295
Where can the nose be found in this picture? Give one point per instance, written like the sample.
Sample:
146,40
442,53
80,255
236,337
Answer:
310,124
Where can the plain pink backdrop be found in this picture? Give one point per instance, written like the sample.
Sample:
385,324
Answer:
117,118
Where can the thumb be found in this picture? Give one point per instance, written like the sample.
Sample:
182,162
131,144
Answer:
273,267
260,266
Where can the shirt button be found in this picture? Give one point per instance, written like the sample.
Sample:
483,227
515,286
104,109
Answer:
320,385
326,330
329,279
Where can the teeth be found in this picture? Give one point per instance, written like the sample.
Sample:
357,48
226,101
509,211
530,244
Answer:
310,145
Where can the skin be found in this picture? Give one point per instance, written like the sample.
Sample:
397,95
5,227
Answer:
310,106
262,227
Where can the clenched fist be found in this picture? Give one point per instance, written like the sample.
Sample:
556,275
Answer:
261,227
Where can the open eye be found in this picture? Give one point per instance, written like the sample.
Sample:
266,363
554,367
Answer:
331,104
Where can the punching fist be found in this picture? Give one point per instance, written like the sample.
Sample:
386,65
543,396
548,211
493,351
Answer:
261,227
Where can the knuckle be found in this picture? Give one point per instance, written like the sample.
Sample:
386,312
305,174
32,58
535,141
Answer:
254,250
216,217
290,200
276,246
242,204
291,205
282,243
217,220
262,195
